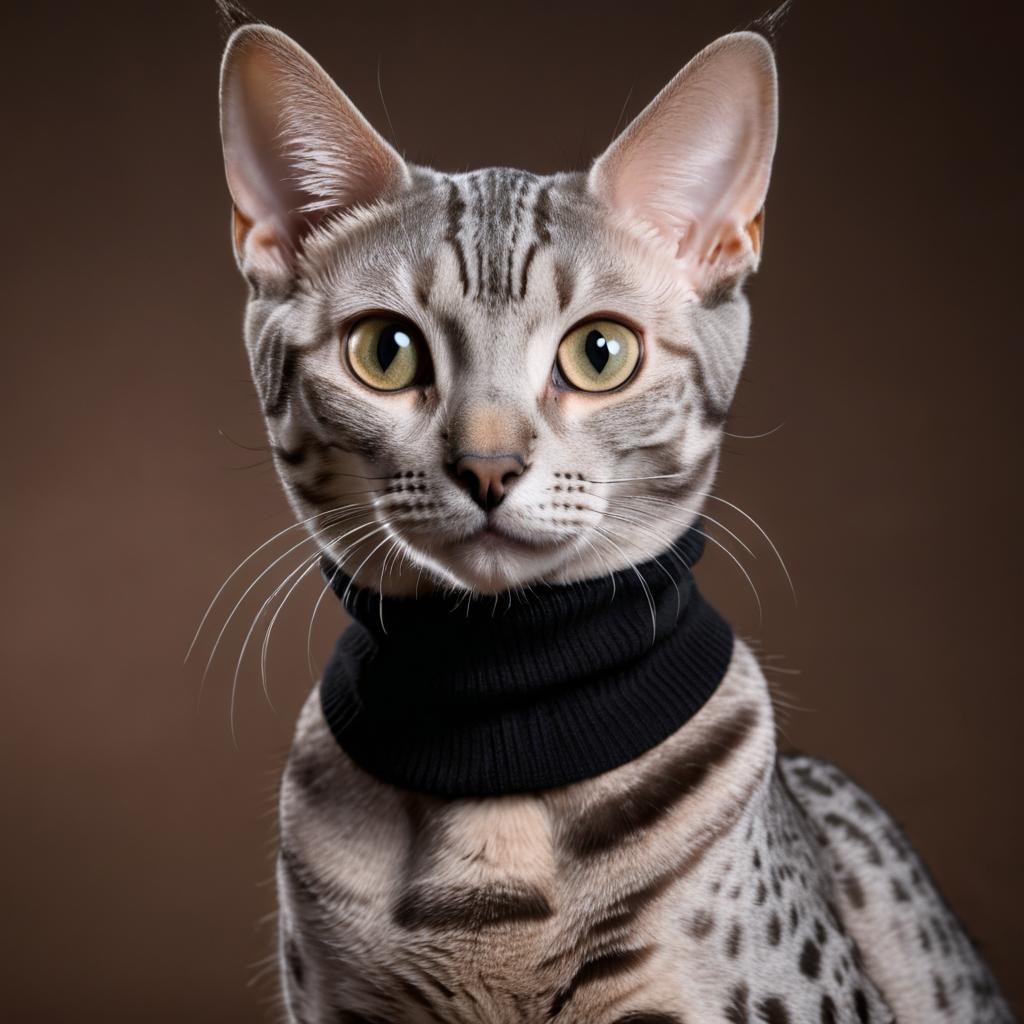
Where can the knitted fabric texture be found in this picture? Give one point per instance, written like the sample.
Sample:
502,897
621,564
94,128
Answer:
483,696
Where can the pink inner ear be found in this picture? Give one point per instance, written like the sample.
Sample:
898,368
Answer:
695,163
295,148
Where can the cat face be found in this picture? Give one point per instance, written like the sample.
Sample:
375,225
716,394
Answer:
492,379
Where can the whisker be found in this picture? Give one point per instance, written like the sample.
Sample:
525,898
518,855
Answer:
657,561
248,590
694,512
265,647
380,589
238,568
306,540
307,563
756,437
713,497
313,670
238,444
707,536
604,564
352,578
643,584
760,529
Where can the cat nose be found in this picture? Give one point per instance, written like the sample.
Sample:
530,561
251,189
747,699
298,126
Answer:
487,477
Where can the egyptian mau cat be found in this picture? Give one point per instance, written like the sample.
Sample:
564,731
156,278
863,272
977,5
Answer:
539,781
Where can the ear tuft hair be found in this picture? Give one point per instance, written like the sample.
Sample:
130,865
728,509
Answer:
233,16
769,24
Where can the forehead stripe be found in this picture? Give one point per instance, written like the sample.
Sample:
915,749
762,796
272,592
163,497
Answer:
496,219
456,211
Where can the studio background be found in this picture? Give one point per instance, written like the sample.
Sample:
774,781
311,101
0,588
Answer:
886,349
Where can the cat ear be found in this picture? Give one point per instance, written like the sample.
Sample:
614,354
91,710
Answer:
694,165
295,150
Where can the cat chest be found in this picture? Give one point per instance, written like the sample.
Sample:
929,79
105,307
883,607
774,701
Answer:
484,919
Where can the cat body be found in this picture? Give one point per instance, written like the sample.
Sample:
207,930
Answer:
708,880
486,383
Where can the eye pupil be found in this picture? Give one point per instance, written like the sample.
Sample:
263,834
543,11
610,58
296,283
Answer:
599,350
389,341
388,353
598,355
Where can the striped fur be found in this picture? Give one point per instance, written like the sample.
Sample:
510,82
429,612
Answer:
494,295
706,881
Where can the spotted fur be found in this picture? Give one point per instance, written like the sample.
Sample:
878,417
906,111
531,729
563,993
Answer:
708,880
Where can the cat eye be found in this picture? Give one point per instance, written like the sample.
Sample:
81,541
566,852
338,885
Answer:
599,355
386,352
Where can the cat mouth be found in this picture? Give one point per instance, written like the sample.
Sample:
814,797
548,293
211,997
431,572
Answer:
493,536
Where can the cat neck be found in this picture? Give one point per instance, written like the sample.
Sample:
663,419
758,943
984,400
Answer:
482,696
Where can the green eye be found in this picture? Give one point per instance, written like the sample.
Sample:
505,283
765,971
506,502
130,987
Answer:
599,355
387,353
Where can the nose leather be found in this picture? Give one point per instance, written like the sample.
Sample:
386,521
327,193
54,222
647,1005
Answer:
487,477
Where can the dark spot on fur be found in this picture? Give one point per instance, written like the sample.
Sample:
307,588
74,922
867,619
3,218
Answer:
863,808
809,781
855,834
833,914
860,1004
899,891
737,1012
774,929
852,889
892,837
773,1011
828,1010
735,940
810,959
701,925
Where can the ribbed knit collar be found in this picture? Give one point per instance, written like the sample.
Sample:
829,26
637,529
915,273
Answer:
485,696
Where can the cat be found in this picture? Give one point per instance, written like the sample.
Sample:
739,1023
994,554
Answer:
504,394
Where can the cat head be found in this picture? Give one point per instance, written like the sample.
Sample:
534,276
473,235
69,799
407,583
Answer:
492,379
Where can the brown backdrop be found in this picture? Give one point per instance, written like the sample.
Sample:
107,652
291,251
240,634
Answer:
138,840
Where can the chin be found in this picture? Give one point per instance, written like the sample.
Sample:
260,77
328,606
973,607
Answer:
490,563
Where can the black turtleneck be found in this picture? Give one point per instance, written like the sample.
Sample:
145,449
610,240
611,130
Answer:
490,695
